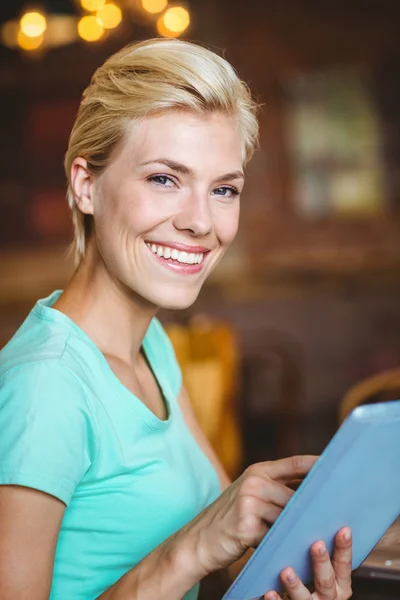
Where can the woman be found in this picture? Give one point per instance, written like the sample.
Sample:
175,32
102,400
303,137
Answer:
109,488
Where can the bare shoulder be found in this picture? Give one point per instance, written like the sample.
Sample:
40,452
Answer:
30,522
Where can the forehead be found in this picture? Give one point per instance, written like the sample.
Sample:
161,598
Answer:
209,141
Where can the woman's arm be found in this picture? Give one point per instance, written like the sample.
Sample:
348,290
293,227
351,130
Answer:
168,572
29,525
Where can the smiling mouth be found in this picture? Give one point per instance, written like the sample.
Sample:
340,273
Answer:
186,258
178,260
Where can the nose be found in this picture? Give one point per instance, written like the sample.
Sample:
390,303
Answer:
195,215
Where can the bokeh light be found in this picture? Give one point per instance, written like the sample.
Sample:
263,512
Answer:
33,24
90,29
92,5
9,34
29,43
173,22
109,15
61,30
154,6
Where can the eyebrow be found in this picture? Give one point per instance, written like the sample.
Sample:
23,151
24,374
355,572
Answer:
184,170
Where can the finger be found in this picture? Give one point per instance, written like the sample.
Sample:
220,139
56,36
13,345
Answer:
255,519
324,574
252,530
264,511
272,596
287,469
259,485
277,493
296,589
342,559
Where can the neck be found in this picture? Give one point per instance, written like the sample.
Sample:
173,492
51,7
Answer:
113,316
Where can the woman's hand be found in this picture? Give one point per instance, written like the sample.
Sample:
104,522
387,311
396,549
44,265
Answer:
332,579
241,516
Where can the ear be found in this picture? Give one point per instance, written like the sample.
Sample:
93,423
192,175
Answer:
82,185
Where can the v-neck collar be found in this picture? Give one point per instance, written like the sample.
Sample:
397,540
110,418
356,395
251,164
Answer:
44,310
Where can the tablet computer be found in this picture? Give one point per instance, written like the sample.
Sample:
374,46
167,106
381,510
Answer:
355,482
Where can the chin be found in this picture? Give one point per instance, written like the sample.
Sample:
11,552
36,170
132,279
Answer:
176,299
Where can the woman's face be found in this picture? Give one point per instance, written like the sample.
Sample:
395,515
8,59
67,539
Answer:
167,207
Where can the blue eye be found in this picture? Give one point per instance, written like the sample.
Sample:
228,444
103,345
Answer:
226,190
162,180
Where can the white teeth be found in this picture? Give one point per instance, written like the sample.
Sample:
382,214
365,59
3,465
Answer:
188,258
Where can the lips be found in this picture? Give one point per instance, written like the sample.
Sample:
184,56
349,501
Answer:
179,260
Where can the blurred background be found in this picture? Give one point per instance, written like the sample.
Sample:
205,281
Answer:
301,320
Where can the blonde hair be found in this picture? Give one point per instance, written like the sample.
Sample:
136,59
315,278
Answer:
148,78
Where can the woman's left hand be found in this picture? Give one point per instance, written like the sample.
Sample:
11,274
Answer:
332,579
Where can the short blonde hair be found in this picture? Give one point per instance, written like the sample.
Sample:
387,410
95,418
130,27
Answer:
148,78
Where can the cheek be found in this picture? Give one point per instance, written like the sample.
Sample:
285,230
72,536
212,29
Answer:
226,222
124,215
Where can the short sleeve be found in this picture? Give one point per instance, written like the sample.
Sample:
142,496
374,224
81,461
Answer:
46,429
163,356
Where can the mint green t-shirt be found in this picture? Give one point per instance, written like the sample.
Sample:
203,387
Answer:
70,428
